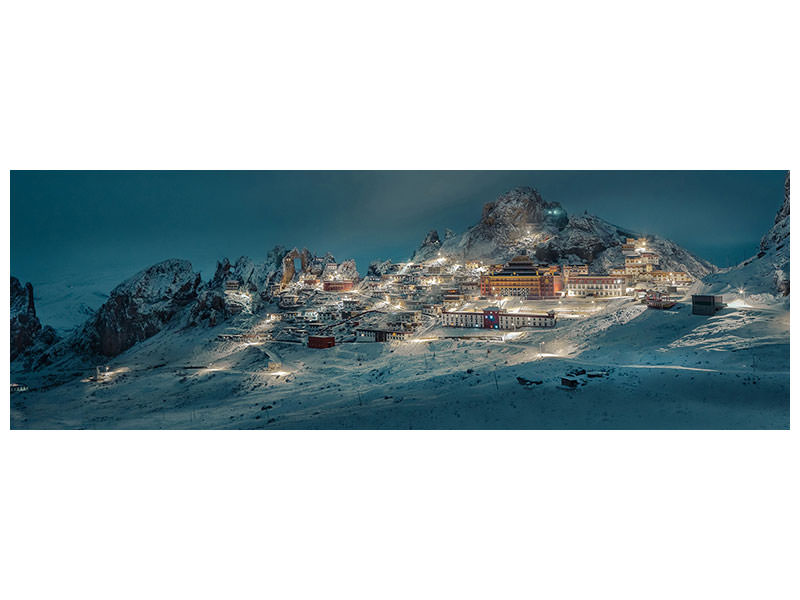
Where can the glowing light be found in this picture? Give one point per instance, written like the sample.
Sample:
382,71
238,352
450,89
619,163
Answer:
207,370
739,304
107,375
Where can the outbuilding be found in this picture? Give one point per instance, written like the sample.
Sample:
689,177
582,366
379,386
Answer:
706,305
321,341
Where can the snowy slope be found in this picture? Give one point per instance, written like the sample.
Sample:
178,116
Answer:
657,369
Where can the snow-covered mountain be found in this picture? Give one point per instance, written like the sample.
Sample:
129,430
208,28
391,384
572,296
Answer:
765,273
522,222
139,308
637,368
169,294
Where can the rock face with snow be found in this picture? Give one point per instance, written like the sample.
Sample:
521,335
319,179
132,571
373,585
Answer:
379,267
140,307
325,266
344,270
522,222
775,245
765,273
251,276
26,330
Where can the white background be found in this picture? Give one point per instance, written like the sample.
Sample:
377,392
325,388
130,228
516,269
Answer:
369,85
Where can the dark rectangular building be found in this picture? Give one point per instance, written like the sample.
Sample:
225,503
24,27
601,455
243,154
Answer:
321,341
706,305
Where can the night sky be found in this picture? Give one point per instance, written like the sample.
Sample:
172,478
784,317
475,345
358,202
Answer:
124,221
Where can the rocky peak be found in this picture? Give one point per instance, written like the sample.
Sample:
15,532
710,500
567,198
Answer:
520,221
432,239
379,267
171,281
780,230
22,298
24,324
345,270
140,307
522,206
26,329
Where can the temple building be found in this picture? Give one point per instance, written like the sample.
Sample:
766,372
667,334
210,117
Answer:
342,285
521,277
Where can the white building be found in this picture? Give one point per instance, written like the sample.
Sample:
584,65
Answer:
462,319
381,335
494,318
596,285
518,320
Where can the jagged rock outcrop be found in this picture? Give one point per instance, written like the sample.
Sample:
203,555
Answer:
379,267
517,209
780,228
522,222
210,308
288,269
24,324
317,266
251,276
343,270
26,329
774,246
429,247
139,308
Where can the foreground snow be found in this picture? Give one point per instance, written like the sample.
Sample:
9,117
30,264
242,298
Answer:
651,369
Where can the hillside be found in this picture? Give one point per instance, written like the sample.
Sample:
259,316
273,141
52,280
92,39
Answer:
522,222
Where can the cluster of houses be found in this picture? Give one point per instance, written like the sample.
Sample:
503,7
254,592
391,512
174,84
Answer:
405,292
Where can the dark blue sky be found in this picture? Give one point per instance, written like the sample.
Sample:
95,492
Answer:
124,221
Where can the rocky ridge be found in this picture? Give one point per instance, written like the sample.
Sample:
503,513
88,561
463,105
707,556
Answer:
522,222
27,332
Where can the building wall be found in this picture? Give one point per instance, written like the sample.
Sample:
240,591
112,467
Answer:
491,319
496,320
462,319
381,335
321,342
537,286
596,285
515,321
678,277
706,305
337,286
570,270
